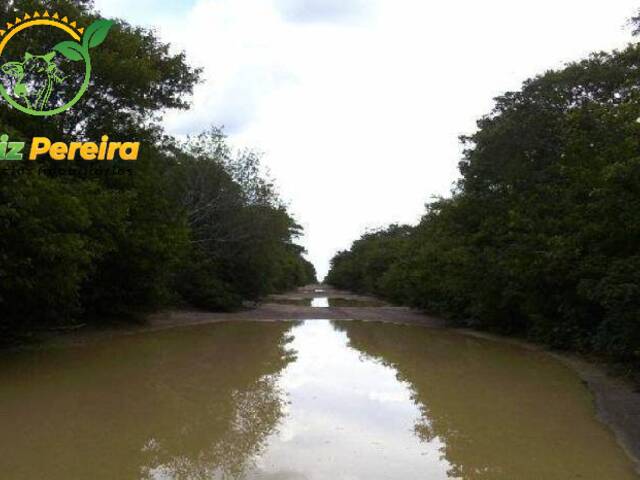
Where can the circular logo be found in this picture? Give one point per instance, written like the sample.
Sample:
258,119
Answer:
31,81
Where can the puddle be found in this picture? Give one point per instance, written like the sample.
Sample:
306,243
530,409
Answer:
320,302
314,400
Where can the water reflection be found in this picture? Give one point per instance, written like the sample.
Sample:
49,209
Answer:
186,404
501,413
320,302
348,417
309,401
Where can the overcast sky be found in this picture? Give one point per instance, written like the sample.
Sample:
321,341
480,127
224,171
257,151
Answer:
358,104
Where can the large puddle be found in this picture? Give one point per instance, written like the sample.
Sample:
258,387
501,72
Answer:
316,400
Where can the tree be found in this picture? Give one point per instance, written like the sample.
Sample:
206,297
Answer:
540,235
188,222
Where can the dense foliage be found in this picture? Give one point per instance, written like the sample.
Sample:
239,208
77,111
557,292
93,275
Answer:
188,222
541,235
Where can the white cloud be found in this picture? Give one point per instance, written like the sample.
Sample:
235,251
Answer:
359,119
310,11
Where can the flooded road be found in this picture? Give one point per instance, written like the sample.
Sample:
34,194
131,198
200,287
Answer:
320,302
315,400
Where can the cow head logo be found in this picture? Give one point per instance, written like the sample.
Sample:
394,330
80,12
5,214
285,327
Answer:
29,83
34,79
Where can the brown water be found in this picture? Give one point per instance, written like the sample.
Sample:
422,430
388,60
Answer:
315,400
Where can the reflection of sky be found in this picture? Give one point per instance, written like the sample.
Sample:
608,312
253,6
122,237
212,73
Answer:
348,417
320,302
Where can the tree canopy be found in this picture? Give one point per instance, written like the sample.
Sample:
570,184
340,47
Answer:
540,235
190,222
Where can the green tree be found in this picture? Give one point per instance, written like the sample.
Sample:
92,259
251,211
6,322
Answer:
540,235
189,222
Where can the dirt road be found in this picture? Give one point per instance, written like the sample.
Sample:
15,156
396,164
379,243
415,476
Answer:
617,403
297,306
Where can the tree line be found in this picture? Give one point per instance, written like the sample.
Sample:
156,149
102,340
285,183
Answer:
190,222
541,234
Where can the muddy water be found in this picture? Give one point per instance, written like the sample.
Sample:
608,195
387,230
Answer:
314,400
320,302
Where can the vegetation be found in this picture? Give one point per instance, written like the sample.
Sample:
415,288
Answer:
188,222
541,234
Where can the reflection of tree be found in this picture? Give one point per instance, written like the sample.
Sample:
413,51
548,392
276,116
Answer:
500,413
257,411
183,404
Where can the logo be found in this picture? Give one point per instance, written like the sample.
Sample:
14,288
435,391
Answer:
48,82
42,146
10,150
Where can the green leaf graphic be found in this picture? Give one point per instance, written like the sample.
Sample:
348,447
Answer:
14,69
96,33
71,50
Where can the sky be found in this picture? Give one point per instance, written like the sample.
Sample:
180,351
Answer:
357,105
